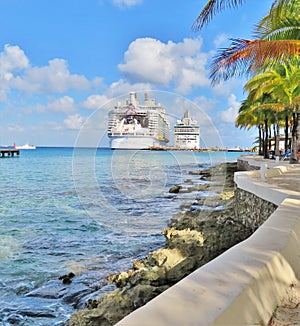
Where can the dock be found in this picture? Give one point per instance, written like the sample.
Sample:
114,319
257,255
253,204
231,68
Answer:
9,152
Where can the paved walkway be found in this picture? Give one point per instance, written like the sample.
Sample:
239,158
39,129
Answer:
288,180
288,313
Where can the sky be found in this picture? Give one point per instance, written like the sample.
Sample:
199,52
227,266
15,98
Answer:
65,63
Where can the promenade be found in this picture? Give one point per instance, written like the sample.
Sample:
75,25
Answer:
246,284
287,180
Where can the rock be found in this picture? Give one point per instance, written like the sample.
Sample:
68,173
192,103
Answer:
186,205
175,189
114,306
193,238
196,172
67,278
183,238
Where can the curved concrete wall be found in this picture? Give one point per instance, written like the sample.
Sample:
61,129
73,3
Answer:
244,285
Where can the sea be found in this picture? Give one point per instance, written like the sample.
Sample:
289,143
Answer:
86,211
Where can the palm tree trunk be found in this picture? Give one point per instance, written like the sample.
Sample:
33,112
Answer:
298,137
270,136
266,142
286,133
260,140
295,137
277,136
262,144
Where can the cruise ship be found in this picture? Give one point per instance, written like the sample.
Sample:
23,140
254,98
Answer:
186,133
136,125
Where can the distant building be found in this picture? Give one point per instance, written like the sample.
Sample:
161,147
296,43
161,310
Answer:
187,133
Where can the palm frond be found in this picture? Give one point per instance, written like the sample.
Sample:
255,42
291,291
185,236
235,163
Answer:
211,8
245,56
282,6
282,22
279,28
297,101
267,107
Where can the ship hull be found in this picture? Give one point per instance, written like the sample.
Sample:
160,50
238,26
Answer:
126,142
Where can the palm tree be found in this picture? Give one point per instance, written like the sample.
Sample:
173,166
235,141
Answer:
262,109
212,7
278,37
281,83
248,120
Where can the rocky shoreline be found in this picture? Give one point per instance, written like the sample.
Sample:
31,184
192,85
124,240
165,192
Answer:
202,230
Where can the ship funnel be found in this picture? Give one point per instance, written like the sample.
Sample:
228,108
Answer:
133,98
145,97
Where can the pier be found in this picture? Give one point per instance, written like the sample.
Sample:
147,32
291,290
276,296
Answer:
9,152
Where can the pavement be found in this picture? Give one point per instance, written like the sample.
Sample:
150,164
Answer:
288,312
289,179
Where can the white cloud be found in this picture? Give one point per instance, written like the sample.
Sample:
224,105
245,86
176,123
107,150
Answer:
48,125
112,95
122,87
12,59
52,78
94,102
231,113
15,127
221,40
226,88
126,3
74,121
64,104
17,73
182,64
205,104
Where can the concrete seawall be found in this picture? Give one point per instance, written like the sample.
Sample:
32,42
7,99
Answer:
244,285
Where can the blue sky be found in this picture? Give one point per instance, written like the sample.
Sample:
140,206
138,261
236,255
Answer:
63,64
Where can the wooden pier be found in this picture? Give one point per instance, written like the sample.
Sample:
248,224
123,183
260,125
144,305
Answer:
9,152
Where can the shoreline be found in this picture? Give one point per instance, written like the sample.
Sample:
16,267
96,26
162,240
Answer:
201,231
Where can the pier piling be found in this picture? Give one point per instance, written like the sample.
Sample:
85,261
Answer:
9,152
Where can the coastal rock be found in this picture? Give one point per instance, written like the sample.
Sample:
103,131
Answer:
193,238
67,278
114,306
195,172
175,189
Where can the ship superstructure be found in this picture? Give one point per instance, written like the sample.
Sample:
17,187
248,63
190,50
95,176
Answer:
187,133
136,125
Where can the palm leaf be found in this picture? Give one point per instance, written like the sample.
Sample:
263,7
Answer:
211,8
245,56
282,22
269,107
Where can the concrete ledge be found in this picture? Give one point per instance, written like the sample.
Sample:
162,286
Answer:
251,182
244,285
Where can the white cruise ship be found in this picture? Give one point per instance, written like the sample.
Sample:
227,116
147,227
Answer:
187,133
136,125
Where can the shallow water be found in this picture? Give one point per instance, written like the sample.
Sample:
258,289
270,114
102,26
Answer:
83,211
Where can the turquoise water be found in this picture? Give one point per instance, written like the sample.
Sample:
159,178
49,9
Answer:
86,211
